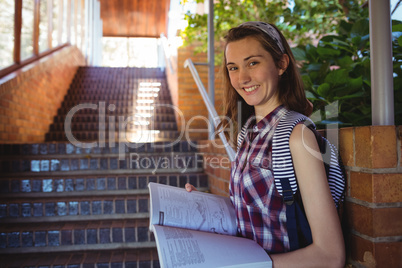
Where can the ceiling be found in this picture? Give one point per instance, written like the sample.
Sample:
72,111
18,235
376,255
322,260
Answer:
134,18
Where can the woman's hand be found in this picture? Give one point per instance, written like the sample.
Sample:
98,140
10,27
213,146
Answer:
189,187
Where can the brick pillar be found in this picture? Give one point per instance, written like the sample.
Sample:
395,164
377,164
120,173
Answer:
373,210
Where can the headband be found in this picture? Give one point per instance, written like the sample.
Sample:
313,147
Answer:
268,29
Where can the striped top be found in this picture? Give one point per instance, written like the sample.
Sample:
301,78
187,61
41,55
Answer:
282,159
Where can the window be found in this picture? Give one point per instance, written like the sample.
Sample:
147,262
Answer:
44,25
65,22
80,22
27,27
73,22
31,29
57,19
6,33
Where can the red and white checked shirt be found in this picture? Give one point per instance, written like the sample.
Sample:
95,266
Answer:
260,210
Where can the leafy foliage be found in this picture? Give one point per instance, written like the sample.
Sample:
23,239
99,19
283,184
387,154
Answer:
338,70
300,23
397,68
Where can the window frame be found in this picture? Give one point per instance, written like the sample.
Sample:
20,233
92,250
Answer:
18,63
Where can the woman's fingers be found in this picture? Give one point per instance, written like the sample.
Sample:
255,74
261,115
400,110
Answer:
189,187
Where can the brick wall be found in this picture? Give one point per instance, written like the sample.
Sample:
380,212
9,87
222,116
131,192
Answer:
216,166
373,207
29,98
193,116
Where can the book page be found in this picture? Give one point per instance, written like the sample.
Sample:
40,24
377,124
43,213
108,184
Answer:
188,248
173,206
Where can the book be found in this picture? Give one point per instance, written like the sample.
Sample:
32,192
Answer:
197,229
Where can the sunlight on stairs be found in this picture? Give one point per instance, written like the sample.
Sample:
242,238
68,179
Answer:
144,113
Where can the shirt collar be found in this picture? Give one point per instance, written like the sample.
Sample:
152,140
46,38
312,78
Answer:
267,120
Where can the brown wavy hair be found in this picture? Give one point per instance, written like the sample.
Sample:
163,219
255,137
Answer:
291,91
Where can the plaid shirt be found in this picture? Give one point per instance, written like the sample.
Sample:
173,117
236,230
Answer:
260,210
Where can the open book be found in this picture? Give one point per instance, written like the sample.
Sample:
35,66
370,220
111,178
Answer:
195,229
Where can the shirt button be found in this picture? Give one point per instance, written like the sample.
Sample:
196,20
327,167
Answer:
255,129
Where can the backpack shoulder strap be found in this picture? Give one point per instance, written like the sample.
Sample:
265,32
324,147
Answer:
282,163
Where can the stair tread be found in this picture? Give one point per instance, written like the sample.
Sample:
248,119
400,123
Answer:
113,256
91,185
67,148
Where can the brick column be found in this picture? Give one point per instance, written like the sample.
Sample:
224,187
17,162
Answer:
372,156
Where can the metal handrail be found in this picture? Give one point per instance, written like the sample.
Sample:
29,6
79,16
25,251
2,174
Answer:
211,109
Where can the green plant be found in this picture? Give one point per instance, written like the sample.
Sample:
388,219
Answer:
299,20
397,67
338,70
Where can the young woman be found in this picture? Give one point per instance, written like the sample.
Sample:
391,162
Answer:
260,73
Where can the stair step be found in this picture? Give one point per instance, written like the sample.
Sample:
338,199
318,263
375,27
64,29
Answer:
95,110
80,209
66,148
116,102
91,88
79,233
28,198
81,185
132,217
133,137
95,118
135,163
133,124
123,97
96,258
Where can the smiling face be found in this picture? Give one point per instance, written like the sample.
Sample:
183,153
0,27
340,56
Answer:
253,74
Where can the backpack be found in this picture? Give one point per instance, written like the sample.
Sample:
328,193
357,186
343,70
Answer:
285,179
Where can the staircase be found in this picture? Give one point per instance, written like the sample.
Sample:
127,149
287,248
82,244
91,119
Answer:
81,199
